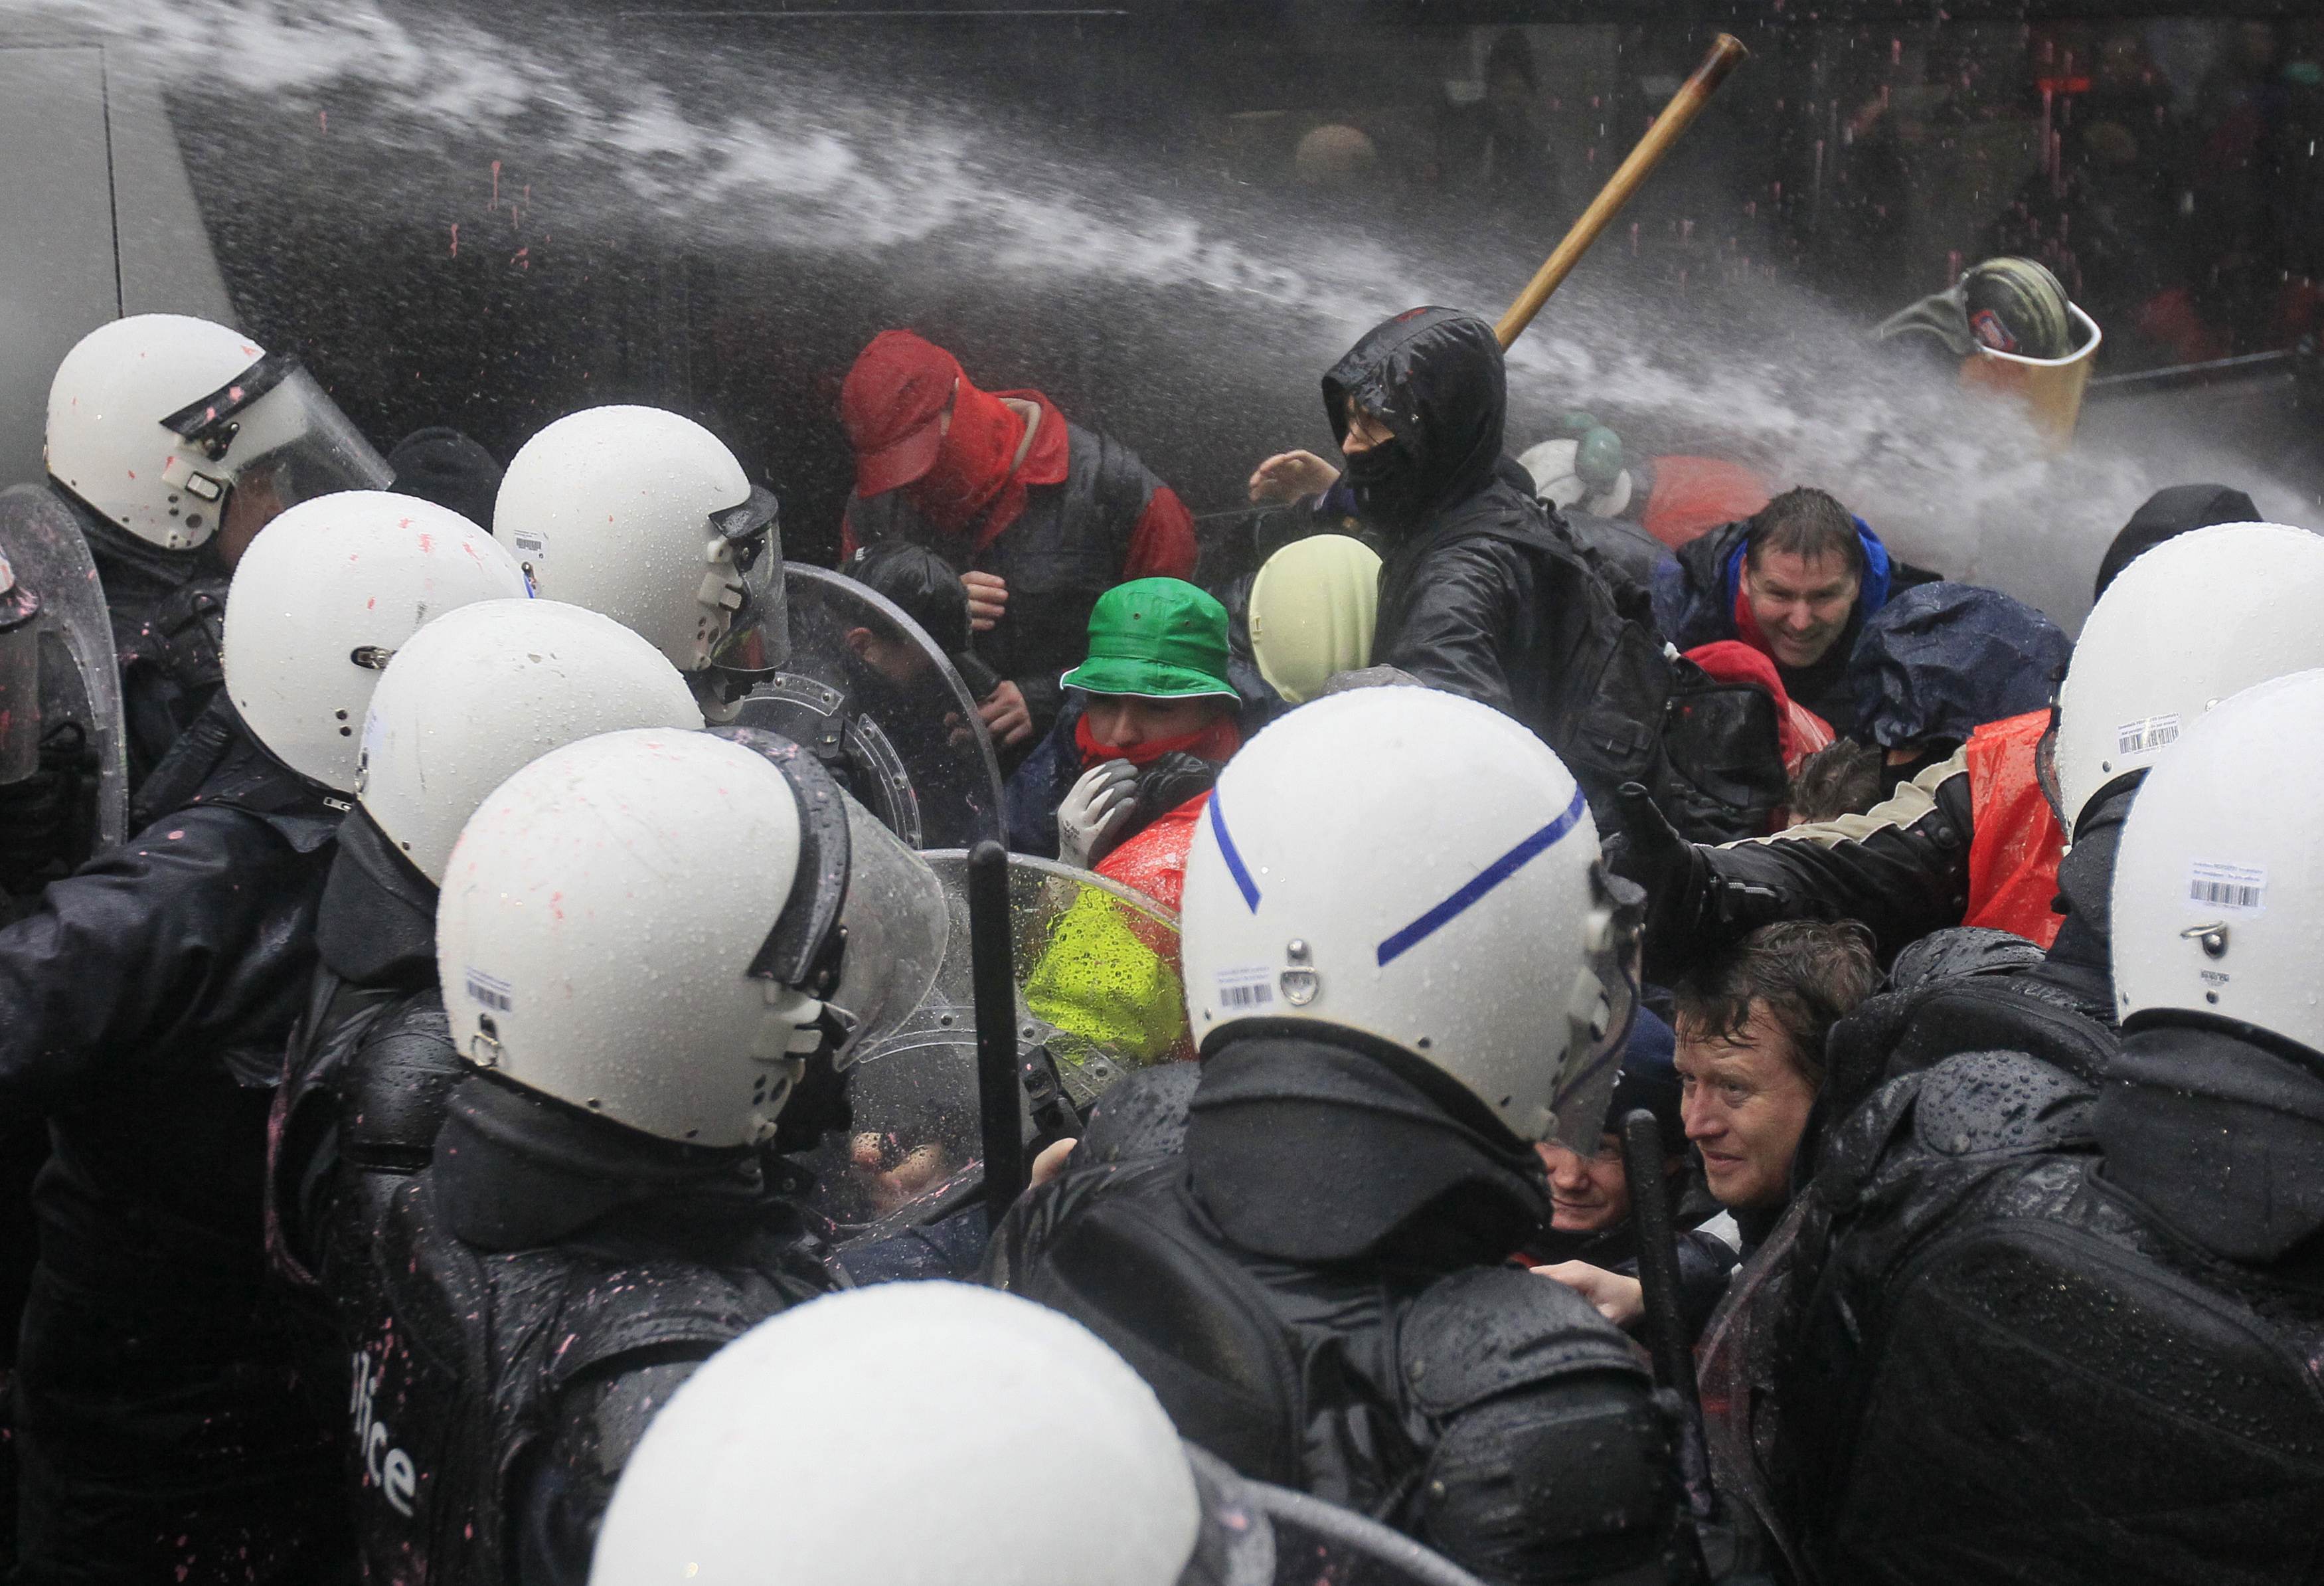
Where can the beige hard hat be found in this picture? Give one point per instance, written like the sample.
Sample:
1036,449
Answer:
1312,610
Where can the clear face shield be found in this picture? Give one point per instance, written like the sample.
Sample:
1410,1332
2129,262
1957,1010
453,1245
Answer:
1605,1002
272,437
859,939
746,582
897,924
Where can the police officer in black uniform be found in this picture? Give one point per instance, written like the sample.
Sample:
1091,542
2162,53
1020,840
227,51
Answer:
648,943
1314,1281
2034,1327
143,1011
472,699
172,441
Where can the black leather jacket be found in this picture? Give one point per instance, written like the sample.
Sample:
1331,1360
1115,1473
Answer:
143,1011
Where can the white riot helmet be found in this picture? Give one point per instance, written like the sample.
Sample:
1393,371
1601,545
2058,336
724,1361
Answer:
646,517
661,928
1420,868
1313,608
2199,617
324,597
1028,1452
480,693
1586,472
2219,885
156,420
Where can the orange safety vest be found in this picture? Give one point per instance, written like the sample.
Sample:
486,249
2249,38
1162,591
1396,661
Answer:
2017,844
1154,860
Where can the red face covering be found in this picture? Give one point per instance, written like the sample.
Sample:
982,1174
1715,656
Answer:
1217,742
972,464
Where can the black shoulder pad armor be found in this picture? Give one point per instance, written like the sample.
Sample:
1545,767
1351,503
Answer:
397,1087
1553,1460
1142,1117
1479,1334
1990,1102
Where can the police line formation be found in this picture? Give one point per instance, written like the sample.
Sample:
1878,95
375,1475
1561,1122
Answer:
1553,1047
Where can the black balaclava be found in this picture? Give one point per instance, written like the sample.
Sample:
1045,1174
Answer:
1435,379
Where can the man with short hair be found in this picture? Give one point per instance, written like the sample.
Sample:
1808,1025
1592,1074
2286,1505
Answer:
1593,1233
1751,1025
1795,580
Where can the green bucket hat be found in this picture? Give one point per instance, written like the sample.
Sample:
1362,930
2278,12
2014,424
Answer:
1161,638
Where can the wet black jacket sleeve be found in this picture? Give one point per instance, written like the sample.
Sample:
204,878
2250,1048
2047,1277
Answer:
566,1480
1461,617
191,938
1901,869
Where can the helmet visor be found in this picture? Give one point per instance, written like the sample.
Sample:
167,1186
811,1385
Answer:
896,924
279,437
1606,1000
757,641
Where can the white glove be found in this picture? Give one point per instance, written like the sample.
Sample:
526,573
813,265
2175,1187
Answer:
1095,812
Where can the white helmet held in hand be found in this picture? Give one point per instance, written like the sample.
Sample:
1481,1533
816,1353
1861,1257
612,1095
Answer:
482,692
158,421
661,928
1026,1452
324,597
1563,476
1313,608
2219,885
646,517
1420,868
2199,617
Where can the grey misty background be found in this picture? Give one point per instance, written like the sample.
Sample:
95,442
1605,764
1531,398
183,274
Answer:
487,216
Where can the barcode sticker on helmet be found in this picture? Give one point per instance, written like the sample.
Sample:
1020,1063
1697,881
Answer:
490,990
529,543
2144,737
2239,888
1247,987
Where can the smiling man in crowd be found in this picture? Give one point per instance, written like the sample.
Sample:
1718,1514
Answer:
1751,1025
1795,580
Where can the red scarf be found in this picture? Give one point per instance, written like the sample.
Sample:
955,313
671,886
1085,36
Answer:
1216,743
975,461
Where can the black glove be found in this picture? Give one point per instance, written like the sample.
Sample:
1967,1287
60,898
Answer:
1675,875
1168,782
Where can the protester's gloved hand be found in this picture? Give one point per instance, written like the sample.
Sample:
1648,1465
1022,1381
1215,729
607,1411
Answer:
1170,781
1675,875
1095,812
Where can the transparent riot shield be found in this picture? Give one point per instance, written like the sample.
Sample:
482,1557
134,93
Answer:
870,694
65,758
1098,996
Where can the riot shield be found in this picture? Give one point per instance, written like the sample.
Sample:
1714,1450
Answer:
1098,995
870,694
61,727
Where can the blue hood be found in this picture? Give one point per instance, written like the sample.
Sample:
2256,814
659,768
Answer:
1869,599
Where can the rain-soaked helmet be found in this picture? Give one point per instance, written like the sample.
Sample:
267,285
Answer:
482,692
645,515
155,421
2219,885
1028,1453
322,601
1454,906
2198,618
662,928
